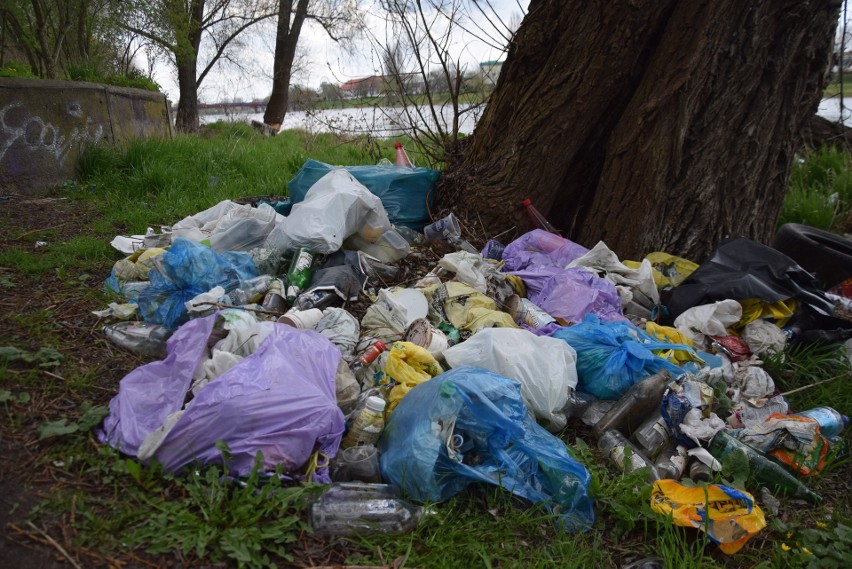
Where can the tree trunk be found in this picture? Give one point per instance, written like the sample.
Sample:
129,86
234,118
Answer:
186,118
651,124
286,39
186,58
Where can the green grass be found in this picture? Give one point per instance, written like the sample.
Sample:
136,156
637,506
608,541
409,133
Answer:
820,192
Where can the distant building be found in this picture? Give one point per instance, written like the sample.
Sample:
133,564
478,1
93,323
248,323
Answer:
365,87
490,71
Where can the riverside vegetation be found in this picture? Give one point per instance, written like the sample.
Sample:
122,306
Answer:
69,497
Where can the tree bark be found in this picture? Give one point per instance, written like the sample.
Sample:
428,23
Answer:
186,59
286,39
650,124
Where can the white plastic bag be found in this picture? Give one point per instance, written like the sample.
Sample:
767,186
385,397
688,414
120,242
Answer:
710,319
605,263
335,207
544,366
763,337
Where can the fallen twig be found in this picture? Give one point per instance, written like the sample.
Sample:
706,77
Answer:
786,393
55,544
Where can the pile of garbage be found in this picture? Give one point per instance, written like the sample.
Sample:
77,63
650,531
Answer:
466,374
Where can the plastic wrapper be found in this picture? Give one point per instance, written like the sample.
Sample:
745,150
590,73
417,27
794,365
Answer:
407,194
796,441
612,356
680,398
605,263
471,425
764,338
286,387
342,329
730,517
545,367
336,207
186,270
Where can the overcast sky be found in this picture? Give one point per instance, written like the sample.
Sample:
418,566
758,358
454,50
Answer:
327,62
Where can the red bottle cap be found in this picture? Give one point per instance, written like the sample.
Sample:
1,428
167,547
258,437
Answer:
397,145
381,345
527,202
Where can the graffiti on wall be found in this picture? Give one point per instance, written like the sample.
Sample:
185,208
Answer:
34,135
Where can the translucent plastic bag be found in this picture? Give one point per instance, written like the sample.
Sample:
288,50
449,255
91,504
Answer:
408,194
471,425
186,270
545,367
336,207
612,356
279,400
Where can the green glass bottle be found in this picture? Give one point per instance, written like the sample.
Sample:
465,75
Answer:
762,471
299,275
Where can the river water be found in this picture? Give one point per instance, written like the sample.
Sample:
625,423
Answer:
385,122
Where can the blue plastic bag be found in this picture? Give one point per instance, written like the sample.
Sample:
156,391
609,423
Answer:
407,194
184,271
471,425
612,356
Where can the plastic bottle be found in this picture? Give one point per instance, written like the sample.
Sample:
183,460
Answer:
368,357
249,291
699,472
139,337
672,461
537,218
762,471
635,405
652,435
831,422
274,299
299,274
368,425
402,158
349,508
614,445
321,299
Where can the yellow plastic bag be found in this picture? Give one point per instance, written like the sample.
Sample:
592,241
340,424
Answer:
728,516
753,308
466,308
669,334
137,266
673,270
408,365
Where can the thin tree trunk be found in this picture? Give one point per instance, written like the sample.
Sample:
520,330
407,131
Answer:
186,118
286,39
650,124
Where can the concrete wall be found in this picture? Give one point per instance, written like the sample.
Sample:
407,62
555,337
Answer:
44,126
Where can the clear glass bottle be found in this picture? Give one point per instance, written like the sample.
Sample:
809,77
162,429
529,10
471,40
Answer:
352,508
672,461
762,471
635,405
368,424
652,435
139,337
615,446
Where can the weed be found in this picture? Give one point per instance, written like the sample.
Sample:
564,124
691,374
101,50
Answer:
90,417
820,192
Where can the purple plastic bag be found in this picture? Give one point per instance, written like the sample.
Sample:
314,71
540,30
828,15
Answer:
570,294
280,400
539,248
